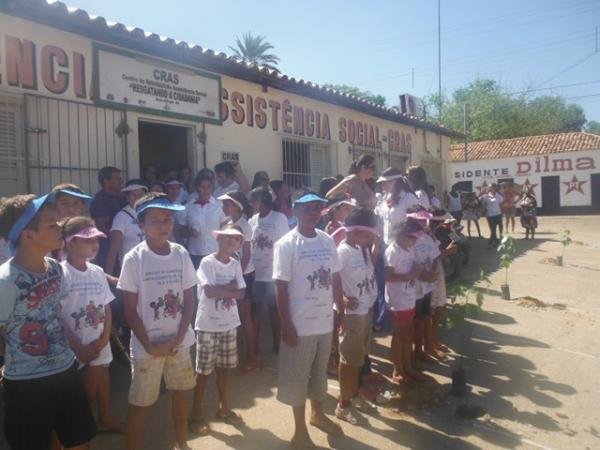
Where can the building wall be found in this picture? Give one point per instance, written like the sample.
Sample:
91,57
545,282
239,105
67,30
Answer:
573,168
71,141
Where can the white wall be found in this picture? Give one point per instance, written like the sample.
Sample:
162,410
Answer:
531,169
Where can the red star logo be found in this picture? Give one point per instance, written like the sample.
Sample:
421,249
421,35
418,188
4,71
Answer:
483,188
529,185
574,185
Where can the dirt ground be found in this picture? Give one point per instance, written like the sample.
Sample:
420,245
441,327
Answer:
532,365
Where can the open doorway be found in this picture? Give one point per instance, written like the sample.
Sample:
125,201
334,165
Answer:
163,146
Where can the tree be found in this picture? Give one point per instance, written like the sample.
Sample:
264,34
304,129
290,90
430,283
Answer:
593,126
367,95
496,114
253,49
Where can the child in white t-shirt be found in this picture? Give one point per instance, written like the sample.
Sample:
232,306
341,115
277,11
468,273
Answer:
356,256
86,314
268,226
401,275
157,280
221,282
237,208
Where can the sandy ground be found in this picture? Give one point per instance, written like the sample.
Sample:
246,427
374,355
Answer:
532,365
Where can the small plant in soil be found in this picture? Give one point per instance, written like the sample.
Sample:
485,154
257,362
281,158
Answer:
565,241
507,256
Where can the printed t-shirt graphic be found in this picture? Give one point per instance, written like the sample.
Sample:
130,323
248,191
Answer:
219,314
36,343
84,308
159,281
308,264
358,277
400,295
266,231
425,251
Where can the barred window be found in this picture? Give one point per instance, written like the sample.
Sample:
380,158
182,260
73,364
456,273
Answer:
305,163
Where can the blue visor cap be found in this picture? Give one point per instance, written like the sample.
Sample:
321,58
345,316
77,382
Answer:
308,198
81,195
30,212
160,203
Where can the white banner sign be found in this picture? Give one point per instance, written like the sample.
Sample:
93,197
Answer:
139,83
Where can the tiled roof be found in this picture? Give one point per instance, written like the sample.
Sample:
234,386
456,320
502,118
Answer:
78,21
526,146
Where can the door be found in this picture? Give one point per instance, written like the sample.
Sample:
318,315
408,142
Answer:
163,146
69,142
550,195
595,182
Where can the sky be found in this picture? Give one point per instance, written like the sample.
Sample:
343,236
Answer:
376,45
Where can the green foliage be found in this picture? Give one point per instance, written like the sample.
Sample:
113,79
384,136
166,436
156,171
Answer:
253,49
507,253
367,95
593,127
496,114
566,240
466,300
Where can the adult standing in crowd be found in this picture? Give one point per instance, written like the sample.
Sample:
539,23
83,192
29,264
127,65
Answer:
528,205
283,200
509,206
356,185
261,179
125,232
472,212
454,204
417,179
492,201
105,205
229,177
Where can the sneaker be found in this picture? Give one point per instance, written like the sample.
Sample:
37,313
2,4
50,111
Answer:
347,414
363,405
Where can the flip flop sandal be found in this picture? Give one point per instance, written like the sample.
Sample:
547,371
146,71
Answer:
229,418
198,426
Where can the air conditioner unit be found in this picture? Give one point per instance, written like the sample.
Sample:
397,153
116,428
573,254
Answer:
409,104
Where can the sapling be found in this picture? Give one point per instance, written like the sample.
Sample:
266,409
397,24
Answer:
507,254
565,241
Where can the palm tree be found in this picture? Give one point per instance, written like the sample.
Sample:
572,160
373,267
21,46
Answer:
252,49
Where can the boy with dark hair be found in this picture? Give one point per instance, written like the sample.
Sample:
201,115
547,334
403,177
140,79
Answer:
42,390
157,278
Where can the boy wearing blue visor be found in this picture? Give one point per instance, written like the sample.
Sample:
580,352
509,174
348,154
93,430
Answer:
43,392
157,278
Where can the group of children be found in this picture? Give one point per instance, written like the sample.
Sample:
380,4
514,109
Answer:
56,320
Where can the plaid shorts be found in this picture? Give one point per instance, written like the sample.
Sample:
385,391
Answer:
147,373
216,349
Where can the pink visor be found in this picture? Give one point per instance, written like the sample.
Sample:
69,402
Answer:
87,233
356,228
227,232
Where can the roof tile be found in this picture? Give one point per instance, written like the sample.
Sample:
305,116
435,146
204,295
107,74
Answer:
526,146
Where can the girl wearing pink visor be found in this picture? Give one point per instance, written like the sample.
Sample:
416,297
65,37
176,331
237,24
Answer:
87,316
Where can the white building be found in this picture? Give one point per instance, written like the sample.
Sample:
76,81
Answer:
563,169
78,93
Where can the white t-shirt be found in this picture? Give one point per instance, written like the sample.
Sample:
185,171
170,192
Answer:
125,221
425,250
204,219
308,265
234,186
435,202
247,230
492,204
266,231
391,215
4,251
218,314
83,310
400,295
454,203
423,198
358,277
159,281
